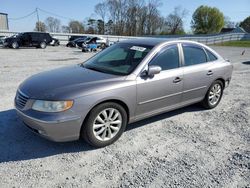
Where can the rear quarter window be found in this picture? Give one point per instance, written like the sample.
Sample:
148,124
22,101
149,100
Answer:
211,56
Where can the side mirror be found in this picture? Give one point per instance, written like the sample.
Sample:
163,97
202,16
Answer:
153,69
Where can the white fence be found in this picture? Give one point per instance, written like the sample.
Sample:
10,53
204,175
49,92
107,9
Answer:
220,38
206,39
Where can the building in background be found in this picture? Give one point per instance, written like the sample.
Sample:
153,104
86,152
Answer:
4,25
233,30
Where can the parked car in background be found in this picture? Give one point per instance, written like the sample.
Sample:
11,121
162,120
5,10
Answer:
74,37
72,43
89,45
55,42
28,39
2,40
80,41
129,81
100,41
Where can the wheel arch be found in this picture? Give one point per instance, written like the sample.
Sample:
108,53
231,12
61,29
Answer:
118,101
222,80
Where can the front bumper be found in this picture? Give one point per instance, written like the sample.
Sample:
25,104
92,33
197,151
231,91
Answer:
56,130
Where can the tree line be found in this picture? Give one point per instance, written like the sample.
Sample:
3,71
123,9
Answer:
141,17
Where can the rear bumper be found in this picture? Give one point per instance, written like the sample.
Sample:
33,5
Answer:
56,130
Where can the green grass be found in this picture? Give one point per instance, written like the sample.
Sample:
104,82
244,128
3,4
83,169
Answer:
243,43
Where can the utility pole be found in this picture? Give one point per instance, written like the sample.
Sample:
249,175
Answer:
38,19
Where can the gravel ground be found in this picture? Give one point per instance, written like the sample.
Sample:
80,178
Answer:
190,147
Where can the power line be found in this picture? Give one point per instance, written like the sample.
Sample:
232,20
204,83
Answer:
24,16
68,18
44,11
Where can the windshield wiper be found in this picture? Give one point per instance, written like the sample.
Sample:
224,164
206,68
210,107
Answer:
93,68
101,70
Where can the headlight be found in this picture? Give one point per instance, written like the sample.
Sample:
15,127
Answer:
51,106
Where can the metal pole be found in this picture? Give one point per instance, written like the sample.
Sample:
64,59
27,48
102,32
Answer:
38,19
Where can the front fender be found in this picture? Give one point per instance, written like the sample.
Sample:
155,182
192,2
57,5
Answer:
126,95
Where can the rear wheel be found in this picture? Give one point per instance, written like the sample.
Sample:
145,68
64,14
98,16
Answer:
105,124
15,45
213,96
43,45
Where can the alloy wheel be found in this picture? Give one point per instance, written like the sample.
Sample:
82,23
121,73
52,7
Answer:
43,45
215,94
107,124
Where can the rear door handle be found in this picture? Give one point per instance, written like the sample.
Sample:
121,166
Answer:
177,79
209,72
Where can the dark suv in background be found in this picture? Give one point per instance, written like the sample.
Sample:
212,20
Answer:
28,39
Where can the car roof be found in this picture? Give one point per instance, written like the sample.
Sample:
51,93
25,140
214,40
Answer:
157,41
145,41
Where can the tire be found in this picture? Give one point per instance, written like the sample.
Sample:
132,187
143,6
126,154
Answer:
15,45
99,131
103,46
213,95
43,45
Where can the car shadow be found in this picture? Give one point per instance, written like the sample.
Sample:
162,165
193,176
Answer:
192,108
246,62
18,143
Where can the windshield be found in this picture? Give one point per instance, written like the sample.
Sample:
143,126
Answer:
119,59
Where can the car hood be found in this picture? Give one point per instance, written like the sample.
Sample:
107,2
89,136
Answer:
66,83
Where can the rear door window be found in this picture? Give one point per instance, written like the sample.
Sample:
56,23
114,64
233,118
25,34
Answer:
193,54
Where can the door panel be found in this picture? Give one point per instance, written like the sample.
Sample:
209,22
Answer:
25,39
164,90
196,81
197,73
160,92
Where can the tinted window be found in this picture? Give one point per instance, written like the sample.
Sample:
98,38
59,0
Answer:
115,55
167,59
193,55
211,56
26,36
120,58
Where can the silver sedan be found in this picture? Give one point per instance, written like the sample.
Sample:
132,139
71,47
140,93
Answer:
124,83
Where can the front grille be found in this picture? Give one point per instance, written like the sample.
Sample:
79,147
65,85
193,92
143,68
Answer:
21,100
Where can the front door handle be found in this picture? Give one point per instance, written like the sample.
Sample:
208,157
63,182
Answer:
209,72
177,79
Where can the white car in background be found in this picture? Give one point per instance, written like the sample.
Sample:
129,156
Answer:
101,42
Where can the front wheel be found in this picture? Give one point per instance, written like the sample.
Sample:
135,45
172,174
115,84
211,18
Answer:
43,45
105,124
213,96
15,45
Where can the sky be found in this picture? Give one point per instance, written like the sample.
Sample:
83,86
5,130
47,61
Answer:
82,9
